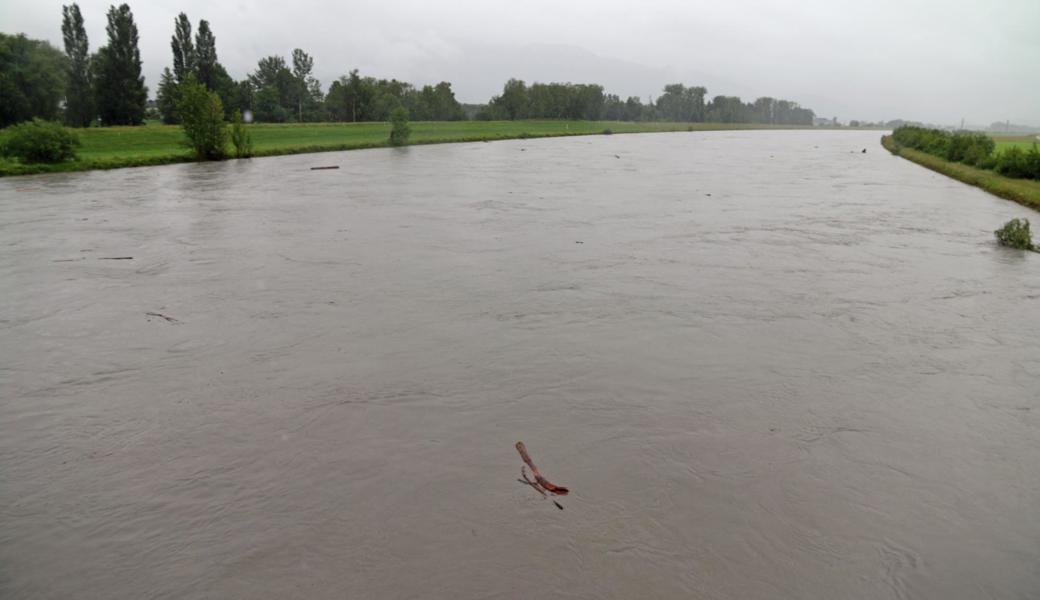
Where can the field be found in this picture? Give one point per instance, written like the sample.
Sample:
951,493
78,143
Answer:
1023,191
1022,141
114,147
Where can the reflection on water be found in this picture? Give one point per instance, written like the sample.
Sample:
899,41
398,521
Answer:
766,364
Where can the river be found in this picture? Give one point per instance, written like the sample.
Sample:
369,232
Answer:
767,365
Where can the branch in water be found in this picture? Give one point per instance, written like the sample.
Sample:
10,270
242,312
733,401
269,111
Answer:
542,481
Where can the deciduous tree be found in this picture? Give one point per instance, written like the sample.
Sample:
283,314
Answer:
32,79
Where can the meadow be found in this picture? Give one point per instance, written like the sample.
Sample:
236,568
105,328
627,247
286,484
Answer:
1025,142
115,147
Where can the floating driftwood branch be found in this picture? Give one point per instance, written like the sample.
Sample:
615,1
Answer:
540,483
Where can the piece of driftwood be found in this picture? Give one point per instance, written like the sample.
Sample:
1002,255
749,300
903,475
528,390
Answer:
544,483
162,316
534,484
115,258
324,168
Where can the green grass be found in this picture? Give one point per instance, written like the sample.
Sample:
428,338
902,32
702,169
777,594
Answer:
1025,142
1023,191
115,147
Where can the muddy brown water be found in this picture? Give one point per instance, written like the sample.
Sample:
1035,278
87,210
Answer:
766,364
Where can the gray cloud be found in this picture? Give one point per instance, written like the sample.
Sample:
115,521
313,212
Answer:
932,60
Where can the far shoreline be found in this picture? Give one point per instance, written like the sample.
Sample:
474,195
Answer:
105,148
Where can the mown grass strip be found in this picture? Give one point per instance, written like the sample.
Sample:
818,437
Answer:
1023,191
149,145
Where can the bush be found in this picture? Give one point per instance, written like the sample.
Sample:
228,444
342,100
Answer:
241,139
990,162
202,117
932,141
1033,162
40,141
969,148
1015,233
608,131
1012,162
399,130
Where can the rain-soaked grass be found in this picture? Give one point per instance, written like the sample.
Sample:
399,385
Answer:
1025,142
114,147
1023,191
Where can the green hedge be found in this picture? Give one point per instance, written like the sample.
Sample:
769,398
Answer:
975,149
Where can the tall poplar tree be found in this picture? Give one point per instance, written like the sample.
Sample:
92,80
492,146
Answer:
183,49
79,98
121,93
206,56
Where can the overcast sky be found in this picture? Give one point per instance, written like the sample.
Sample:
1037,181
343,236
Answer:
929,60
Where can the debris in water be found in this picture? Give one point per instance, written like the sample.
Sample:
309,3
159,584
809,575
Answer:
864,151
324,168
578,242
115,258
541,484
162,316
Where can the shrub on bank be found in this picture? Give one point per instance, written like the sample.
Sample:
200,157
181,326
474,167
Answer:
241,139
1024,162
932,141
990,163
1012,163
975,149
202,117
39,141
1015,233
399,128
969,148
1033,162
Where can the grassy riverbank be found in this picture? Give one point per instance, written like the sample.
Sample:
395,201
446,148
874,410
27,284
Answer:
1023,191
115,147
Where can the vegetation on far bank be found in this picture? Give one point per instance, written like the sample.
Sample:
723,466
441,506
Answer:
99,92
1023,191
115,147
107,87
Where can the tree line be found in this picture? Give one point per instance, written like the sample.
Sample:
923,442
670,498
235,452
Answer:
678,103
106,87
